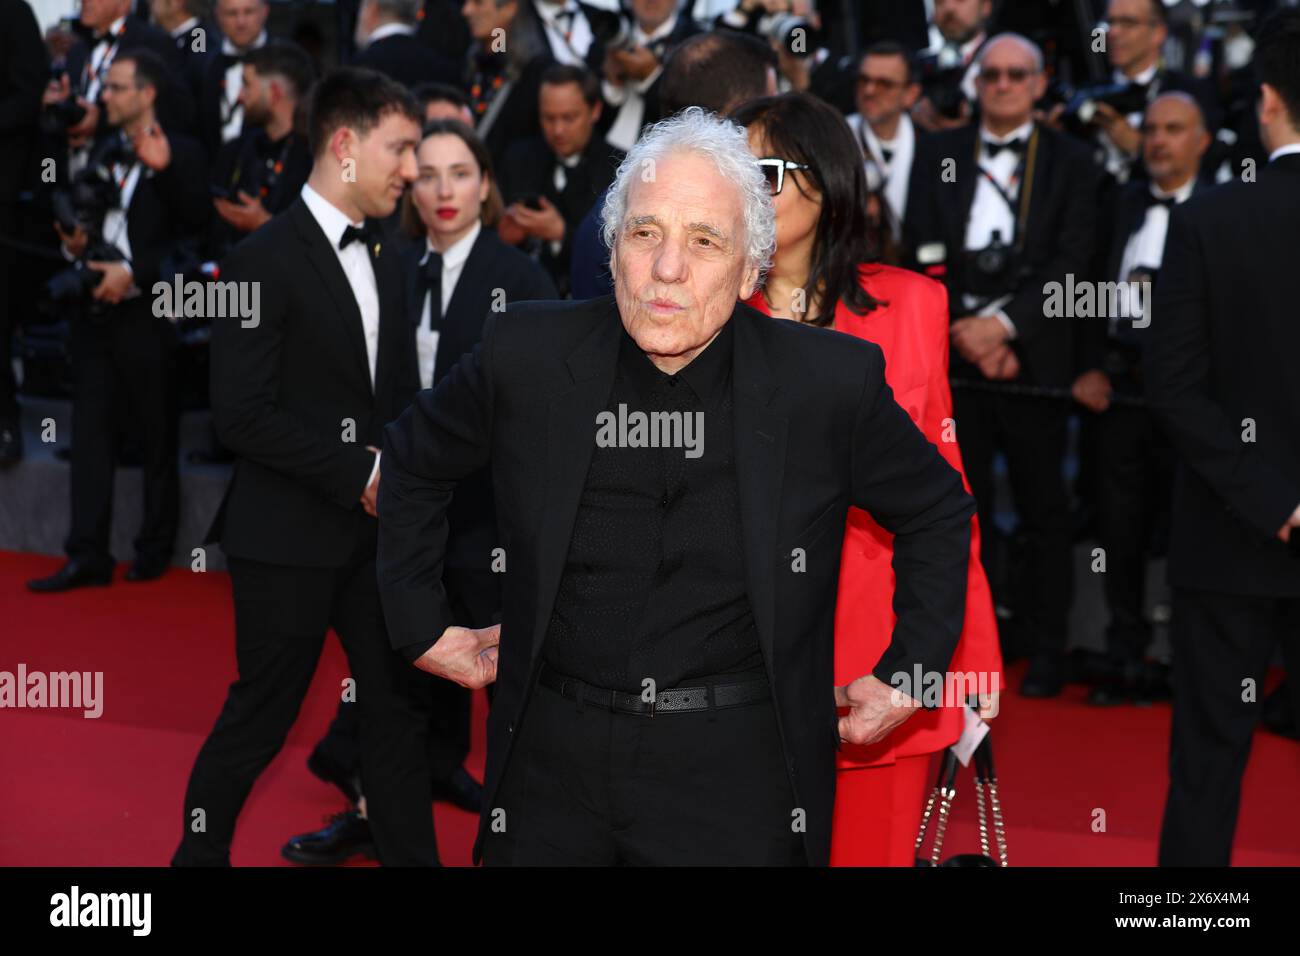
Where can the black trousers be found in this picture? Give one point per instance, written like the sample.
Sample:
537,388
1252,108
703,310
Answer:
1220,641
281,615
1133,475
475,598
588,787
123,369
1031,433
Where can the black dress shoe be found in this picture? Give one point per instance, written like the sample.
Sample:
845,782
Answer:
346,835
74,574
1112,693
146,570
460,790
11,444
326,768
1045,676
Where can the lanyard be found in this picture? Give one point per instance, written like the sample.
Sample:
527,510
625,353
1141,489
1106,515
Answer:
1026,168
96,75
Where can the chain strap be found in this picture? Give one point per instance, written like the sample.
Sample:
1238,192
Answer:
984,826
947,794
999,830
925,819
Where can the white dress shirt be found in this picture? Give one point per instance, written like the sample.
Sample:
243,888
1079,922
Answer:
894,174
989,212
453,263
232,114
355,260
1146,246
102,57
630,97
573,49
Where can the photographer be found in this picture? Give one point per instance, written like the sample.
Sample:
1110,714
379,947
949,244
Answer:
805,62
141,193
1015,213
948,68
634,61
1111,114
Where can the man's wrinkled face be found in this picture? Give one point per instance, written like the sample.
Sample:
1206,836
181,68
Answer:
679,258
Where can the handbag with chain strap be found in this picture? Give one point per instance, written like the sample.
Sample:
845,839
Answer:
990,811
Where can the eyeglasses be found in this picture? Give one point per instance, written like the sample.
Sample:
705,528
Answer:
774,171
1014,74
884,82
1127,23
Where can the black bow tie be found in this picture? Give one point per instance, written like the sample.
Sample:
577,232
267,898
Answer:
429,285
365,235
230,59
1168,202
887,155
992,149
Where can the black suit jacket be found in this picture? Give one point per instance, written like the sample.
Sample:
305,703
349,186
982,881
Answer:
22,79
1059,236
1224,341
166,208
1128,212
408,60
492,265
518,115
207,76
816,430
284,391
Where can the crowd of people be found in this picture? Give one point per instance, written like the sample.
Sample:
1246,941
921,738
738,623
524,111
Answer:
989,194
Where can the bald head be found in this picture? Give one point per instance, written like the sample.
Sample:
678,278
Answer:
1174,139
1009,81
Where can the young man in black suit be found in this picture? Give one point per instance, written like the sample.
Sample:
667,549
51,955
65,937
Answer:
1133,462
1221,379
123,345
387,42
300,395
692,579
998,210
550,183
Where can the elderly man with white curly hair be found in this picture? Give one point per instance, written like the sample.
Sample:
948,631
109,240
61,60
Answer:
672,473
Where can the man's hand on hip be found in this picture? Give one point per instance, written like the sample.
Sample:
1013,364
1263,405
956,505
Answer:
875,709
464,655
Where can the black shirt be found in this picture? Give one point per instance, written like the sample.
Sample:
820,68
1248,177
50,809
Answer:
654,582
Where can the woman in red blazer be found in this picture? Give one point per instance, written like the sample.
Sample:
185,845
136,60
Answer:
824,273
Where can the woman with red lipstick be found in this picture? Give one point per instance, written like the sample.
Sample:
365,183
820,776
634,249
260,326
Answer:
825,272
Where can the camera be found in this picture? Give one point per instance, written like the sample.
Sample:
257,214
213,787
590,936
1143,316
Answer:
991,271
941,73
793,33
1081,105
83,204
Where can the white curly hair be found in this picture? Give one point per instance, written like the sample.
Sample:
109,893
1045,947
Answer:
696,130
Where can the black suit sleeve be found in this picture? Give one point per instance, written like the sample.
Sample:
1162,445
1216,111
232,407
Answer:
24,72
1178,369
245,387
180,187
903,482
443,437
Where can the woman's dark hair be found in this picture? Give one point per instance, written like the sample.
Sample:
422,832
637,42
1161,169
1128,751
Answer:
493,207
805,129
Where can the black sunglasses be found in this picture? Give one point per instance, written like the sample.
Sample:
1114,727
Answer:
774,171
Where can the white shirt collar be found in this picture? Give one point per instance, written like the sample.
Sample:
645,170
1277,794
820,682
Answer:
230,49
548,12
1286,150
661,31
328,216
570,162
185,28
1143,78
1020,132
458,251
113,29
1179,195
390,30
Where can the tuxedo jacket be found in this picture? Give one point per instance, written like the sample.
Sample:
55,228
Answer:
518,116
207,76
1058,241
1220,372
292,396
167,207
1128,213
816,430
408,60
492,265
683,29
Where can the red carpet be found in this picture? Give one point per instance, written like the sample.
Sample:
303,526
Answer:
94,792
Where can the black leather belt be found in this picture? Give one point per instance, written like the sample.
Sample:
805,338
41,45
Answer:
676,700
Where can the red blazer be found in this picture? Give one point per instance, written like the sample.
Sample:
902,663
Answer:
911,328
